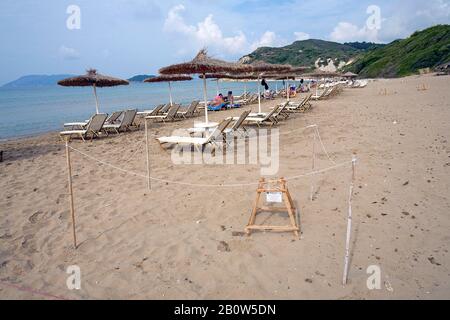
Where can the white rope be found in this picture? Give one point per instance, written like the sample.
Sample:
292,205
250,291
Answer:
205,185
323,146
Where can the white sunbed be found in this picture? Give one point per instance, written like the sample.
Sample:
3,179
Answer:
94,127
197,142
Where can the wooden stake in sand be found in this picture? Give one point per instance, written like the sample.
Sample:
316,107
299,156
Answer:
149,183
280,193
349,223
72,210
313,165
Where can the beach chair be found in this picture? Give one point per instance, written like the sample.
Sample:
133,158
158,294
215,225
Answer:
113,117
267,118
124,125
170,116
198,143
164,109
190,111
302,106
237,127
320,95
93,128
153,112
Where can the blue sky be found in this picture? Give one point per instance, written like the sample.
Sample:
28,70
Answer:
127,37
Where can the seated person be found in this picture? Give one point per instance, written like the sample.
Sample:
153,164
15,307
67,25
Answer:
218,101
230,98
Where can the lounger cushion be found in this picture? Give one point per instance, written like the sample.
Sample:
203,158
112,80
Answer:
73,132
187,140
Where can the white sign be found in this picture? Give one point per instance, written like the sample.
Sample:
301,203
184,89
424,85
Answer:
274,197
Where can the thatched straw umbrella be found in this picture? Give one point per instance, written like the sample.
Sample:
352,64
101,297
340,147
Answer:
350,75
217,77
260,67
169,78
203,64
94,80
318,74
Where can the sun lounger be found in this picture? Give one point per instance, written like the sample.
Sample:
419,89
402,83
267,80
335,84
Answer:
93,128
219,107
320,95
197,142
170,116
237,127
190,111
261,120
302,106
124,125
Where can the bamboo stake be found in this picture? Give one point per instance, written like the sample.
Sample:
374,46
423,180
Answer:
313,165
69,175
349,223
149,184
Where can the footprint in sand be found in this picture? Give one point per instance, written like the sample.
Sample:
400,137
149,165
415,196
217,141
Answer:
35,217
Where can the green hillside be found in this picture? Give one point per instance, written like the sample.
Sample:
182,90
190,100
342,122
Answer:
307,52
423,49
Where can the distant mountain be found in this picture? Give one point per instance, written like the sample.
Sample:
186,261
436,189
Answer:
365,46
325,55
36,81
140,78
423,49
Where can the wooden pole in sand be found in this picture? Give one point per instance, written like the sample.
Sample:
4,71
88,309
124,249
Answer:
349,223
96,98
149,184
69,174
313,165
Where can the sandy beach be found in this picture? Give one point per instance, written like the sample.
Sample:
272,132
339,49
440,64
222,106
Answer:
180,241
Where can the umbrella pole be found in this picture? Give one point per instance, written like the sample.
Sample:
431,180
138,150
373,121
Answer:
259,96
288,91
96,98
205,97
170,94
148,156
72,209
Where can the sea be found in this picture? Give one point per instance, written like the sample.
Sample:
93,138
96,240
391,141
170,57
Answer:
28,111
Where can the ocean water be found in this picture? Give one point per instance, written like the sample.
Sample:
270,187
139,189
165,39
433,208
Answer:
30,111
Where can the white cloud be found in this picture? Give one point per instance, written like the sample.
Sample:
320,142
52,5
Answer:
346,31
208,33
68,53
299,36
268,39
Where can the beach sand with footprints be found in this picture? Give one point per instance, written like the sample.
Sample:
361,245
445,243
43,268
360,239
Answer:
180,241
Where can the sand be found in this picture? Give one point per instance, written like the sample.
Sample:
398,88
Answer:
180,242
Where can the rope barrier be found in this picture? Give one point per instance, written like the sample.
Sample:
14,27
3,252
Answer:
201,184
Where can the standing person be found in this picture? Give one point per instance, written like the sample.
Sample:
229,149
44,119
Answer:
264,84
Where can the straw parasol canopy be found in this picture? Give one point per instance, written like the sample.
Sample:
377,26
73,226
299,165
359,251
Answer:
203,64
299,70
169,78
321,74
261,67
349,75
93,79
